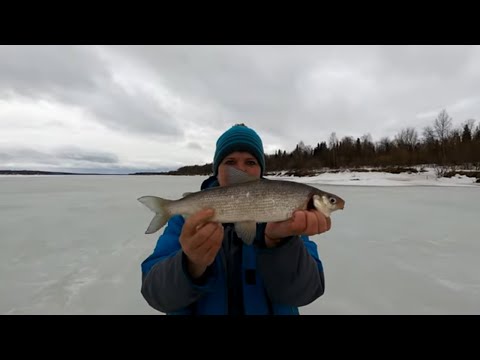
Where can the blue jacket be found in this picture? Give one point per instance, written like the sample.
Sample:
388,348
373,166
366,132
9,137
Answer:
269,281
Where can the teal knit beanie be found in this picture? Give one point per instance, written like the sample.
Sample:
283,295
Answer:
238,138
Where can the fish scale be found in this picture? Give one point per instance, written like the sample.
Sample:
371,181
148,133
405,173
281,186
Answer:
260,201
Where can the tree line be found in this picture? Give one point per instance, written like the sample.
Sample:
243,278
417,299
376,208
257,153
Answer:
439,144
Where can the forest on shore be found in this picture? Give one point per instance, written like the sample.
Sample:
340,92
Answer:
450,150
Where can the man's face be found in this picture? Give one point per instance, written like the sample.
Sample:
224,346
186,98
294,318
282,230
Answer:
243,161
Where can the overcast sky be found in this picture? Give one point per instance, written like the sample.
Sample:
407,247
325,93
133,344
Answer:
132,108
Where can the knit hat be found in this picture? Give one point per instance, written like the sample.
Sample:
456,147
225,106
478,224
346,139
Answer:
239,138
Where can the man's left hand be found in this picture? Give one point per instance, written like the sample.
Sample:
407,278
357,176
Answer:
303,222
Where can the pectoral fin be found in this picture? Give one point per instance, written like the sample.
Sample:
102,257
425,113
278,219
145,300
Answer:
246,230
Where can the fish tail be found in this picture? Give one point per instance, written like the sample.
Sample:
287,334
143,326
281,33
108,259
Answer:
160,207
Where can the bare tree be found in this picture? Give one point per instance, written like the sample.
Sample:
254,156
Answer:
442,125
333,144
332,141
429,135
367,139
384,145
305,149
407,138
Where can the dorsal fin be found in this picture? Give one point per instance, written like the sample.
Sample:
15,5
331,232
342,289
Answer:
235,176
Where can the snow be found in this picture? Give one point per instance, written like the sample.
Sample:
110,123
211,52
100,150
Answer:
427,178
74,244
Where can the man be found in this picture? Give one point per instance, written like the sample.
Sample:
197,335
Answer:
200,267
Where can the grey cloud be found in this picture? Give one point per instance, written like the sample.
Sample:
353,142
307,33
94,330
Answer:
289,93
361,87
113,169
76,75
21,155
425,61
252,84
41,69
87,156
194,146
67,157
120,111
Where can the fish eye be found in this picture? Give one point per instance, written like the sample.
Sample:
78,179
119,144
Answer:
333,201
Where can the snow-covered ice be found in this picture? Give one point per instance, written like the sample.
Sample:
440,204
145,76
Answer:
74,244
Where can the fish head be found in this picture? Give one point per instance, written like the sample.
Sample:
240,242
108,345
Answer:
327,203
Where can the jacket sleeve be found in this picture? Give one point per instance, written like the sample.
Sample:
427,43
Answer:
292,272
166,283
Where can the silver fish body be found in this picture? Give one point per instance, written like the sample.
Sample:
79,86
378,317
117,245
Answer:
260,201
245,202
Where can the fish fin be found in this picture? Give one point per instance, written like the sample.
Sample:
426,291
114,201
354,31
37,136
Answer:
159,207
246,230
186,194
235,176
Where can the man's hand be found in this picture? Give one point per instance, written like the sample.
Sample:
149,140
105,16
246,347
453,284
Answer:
303,222
201,240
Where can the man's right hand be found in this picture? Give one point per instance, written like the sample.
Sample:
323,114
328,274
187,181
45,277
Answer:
201,240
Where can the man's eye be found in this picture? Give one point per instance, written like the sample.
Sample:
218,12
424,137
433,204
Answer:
230,162
251,163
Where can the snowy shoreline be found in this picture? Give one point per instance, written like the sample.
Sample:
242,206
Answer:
343,177
362,178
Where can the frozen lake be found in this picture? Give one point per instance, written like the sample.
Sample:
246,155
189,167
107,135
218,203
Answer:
74,244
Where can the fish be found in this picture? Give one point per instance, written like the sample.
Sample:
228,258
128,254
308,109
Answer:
245,201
